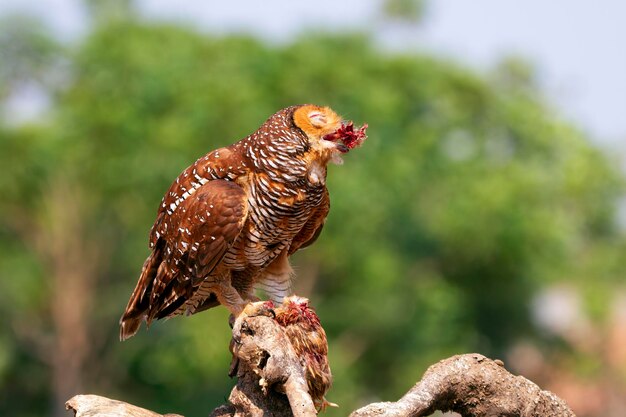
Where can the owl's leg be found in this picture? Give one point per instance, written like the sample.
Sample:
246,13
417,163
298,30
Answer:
212,291
228,296
275,280
243,281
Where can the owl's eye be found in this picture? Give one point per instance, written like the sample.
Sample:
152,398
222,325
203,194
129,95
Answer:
317,119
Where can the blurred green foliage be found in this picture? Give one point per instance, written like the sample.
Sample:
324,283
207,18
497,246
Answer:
469,195
410,11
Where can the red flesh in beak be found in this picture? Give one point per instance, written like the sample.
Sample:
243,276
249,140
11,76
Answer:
349,137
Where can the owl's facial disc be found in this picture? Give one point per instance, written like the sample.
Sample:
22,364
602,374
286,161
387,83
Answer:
327,131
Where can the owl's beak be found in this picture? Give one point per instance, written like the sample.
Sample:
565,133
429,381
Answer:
342,148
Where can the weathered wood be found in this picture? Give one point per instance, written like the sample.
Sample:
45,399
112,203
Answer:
473,386
97,406
271,382
268,365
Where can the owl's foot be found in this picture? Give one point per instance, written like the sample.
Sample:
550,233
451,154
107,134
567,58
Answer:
254,309
259,308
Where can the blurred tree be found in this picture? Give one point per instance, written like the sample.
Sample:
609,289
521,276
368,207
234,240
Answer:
30,65
514,72
106,11
407,10
26,53
469,195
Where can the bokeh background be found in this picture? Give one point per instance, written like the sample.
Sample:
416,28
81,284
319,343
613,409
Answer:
485,213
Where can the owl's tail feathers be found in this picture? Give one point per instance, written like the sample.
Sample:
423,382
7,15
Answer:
129,326
139,303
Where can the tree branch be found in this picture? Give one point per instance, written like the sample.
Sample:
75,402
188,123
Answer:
97,406
266,364
471,385
271,381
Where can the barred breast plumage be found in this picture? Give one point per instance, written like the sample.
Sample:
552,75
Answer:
229,222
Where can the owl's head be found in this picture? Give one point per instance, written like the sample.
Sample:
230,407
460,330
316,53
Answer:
326,131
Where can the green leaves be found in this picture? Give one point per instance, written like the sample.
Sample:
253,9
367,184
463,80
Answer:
468,197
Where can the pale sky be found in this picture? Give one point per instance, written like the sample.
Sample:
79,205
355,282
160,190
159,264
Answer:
577,46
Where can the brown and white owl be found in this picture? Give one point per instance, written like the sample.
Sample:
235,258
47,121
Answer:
230,221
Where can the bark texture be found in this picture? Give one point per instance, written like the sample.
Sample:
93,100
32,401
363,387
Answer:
97,406
471,385
271,381
271,377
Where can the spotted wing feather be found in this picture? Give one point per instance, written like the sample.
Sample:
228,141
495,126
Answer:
224,163
196,236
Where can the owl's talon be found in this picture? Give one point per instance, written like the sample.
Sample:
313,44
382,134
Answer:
260,308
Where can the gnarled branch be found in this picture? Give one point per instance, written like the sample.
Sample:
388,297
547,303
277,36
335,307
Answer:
471,385
271,382
271,377
97,406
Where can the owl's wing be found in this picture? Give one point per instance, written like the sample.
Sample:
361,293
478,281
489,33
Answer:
313,227
222,163
200,232
190,243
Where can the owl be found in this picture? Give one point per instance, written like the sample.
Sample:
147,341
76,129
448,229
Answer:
229,223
